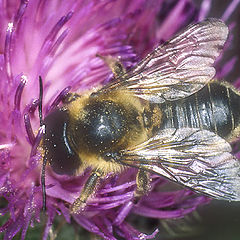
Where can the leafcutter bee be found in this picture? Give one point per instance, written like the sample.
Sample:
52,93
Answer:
165,116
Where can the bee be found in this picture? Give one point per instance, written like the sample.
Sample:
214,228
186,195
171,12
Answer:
166,116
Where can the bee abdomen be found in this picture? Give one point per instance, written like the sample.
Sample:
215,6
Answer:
216,108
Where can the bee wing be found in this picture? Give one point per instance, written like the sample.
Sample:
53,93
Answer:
180,67
198,159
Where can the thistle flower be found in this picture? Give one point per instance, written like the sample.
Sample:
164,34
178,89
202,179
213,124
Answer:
37,37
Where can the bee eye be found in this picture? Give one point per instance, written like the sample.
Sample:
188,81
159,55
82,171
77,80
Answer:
103,125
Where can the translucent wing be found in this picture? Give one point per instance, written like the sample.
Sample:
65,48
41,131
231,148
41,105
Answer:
179,67
198,159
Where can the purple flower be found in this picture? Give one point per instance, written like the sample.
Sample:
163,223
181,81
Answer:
59,40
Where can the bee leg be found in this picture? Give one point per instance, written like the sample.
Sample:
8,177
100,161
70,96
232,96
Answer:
143,184
88,189
114,64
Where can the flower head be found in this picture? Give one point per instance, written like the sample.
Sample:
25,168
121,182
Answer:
59,41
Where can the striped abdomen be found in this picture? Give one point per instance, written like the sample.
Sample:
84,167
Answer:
216,107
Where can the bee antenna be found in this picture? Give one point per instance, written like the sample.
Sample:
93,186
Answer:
43,183
44,159
40,100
